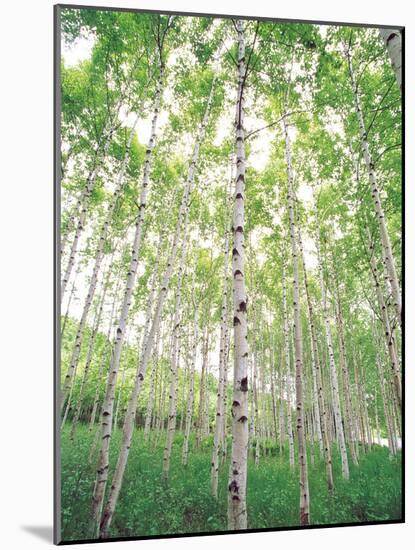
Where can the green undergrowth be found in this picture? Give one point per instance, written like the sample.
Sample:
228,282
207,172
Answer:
149,506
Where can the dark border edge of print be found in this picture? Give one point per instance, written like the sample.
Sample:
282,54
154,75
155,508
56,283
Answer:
57,273
57,276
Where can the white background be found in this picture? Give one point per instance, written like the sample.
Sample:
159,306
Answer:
26,233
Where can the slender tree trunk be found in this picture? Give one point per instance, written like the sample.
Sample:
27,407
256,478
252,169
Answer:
257,432
190,398
218,437
287,371
150,304
346,380
141,370
202,389
364,402
174,361
82,205
152,391
205,417
89,356
104,355
99,255
225,388
387,253
360,402
282,414
298,344
333,371
68,308
107,412
273,394
390,341
321,416
120,390
377,419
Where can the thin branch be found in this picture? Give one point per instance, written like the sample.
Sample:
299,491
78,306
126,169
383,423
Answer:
273,123
395,146
378,107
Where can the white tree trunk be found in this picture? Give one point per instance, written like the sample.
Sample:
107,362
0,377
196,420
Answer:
298,345
99,255
315,366
108,406
68,307
390,341
287,371
142,366
89,355
152,391
120,390
104,354
220,411
387,253
393,42
333,371
82,207
257,428
150,304
174,360
190,398
346,381
237,510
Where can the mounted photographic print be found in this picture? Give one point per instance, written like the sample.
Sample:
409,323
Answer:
228,208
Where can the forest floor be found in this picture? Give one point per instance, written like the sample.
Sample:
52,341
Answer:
147,506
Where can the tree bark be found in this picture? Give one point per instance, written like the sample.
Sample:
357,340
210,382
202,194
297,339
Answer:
298,344
107,412
390,341
82,207
89,355
237,512
174,360
68,307
346,379
393,42
287,371
333,371
321,419
220,411
104,354
99,255
387,253
142,366
190,398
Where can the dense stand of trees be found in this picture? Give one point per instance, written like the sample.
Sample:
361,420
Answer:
230,248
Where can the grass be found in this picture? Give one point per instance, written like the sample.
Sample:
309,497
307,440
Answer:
147,506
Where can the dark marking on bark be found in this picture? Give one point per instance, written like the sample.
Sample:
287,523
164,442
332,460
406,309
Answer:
233,486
